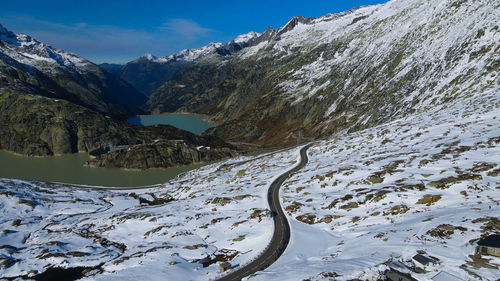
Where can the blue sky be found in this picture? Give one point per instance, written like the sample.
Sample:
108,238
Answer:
119,31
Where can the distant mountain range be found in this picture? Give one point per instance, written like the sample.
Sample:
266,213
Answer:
147,73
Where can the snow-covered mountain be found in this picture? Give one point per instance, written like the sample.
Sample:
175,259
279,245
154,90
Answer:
148,72
344,72
195,54
28,50
187,55
36,67
245,38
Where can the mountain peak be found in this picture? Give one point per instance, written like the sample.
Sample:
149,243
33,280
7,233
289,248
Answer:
188,55
20,40
147,56
266,35
8,36
28,50
244,38
191,55
292,23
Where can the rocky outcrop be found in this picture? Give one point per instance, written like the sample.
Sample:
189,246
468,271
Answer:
162,154
39,126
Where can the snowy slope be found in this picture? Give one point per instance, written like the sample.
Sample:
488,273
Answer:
422,33
217,210
29,51
422,38
425,182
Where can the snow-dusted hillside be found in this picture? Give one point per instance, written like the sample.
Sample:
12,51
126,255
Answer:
425,182
217,213
346,71
441,46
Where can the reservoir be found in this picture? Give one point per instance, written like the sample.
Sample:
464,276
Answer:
193,123
70,168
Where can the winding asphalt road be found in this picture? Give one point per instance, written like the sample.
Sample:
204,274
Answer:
281,235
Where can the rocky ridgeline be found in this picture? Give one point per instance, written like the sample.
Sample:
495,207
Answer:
147,73
30,66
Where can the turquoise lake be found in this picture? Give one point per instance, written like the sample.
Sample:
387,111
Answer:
193,123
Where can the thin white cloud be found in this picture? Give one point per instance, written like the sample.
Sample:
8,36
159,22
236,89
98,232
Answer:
81,25
188,29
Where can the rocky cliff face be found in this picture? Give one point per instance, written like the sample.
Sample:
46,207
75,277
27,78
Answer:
32,66
39,126
343,72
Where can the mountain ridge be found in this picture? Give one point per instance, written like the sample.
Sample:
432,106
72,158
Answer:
148,72
71,77
342,72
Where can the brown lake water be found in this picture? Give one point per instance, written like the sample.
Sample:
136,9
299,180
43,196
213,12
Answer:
70,169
